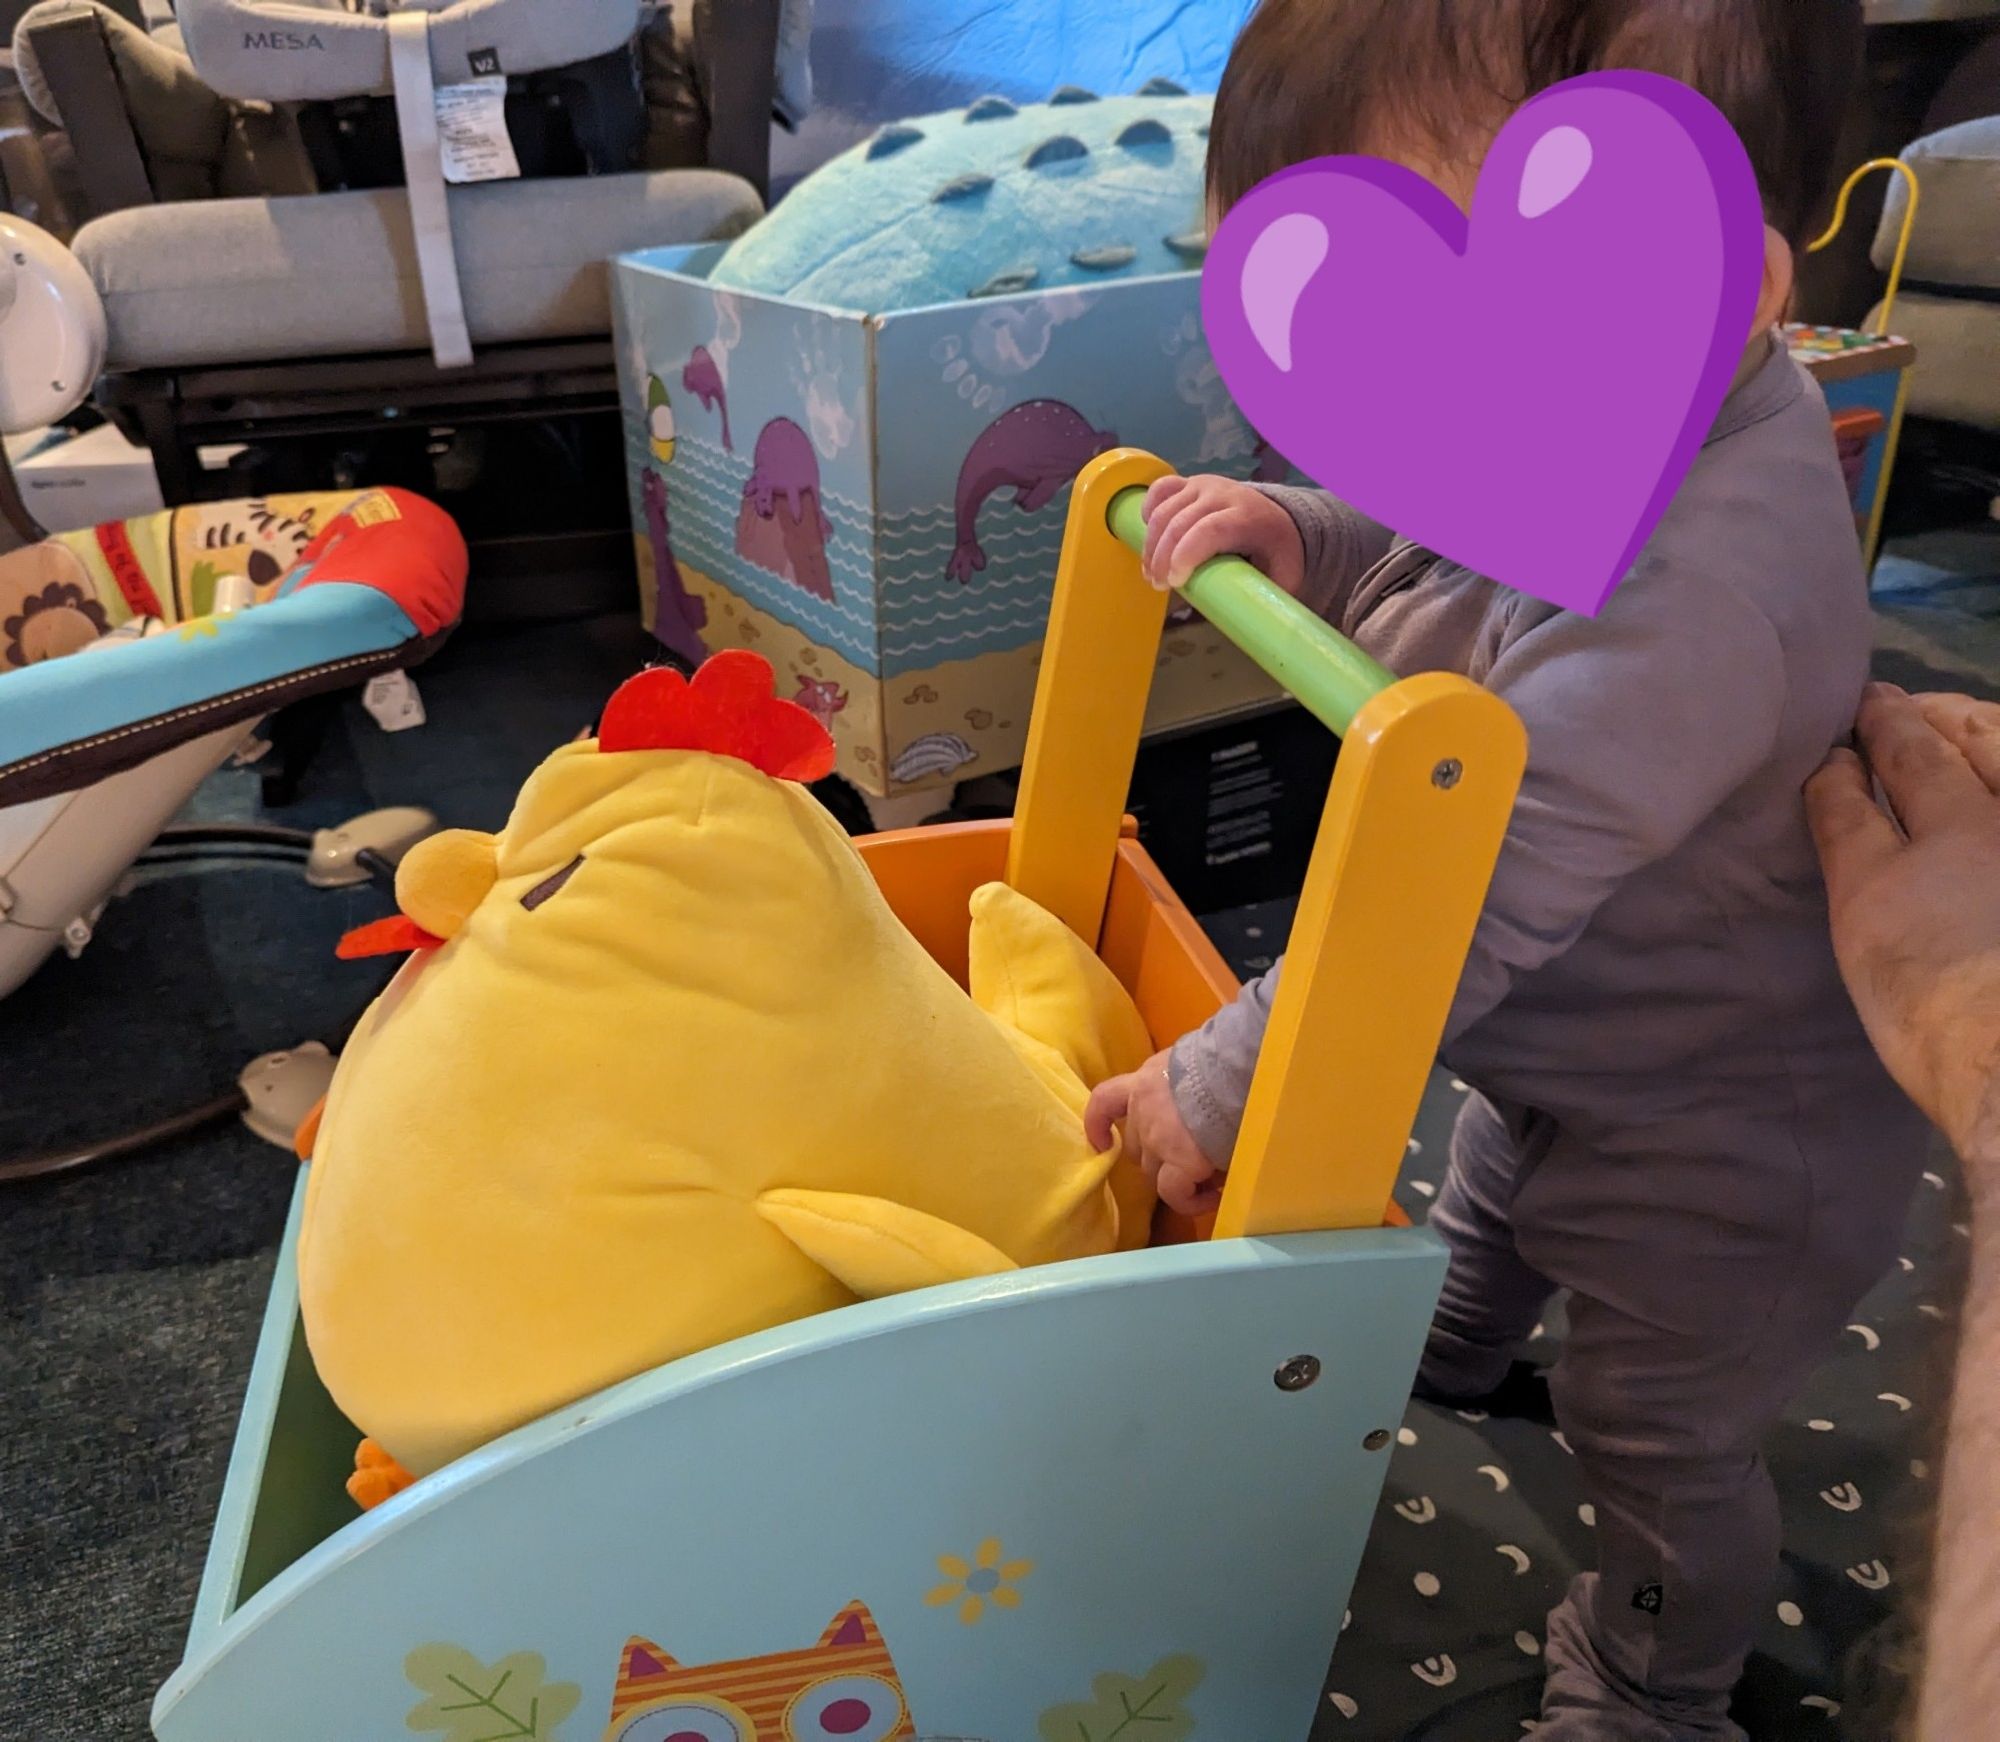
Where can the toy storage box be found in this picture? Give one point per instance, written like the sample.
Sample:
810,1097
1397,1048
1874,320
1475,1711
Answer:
824,488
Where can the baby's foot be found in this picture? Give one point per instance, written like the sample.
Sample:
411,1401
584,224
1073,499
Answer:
377,1477
1522,1396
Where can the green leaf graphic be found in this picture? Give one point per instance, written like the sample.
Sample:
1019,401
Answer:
470,1702
1149,1709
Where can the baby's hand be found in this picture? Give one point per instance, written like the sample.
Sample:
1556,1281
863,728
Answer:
1155,1136
1189,520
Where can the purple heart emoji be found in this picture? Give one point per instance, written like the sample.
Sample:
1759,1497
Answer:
1524,390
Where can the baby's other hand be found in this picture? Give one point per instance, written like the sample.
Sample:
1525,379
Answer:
1156,1137
1189,520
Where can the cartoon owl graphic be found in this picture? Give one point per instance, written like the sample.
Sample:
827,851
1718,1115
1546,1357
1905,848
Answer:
844,1689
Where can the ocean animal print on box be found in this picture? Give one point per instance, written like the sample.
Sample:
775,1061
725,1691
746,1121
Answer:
820,697
1035,449
844,1689
703,378
780,527
678,614
660,432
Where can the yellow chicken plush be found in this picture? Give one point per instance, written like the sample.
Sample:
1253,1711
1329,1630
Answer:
664,1069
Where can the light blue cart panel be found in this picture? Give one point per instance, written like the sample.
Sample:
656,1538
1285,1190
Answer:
1060,1497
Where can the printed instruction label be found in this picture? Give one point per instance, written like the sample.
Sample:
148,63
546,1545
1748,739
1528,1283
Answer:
473,144
392,701
374,509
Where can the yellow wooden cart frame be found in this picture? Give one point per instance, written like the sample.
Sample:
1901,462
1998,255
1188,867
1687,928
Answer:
1420,801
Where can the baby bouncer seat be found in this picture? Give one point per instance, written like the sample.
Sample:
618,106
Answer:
1113,1498
137,656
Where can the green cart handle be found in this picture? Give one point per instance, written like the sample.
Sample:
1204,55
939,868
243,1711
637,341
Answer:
1306,656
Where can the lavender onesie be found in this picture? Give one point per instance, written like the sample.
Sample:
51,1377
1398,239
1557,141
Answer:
1678,1116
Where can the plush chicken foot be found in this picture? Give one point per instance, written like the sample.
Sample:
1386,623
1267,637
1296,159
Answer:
377,1477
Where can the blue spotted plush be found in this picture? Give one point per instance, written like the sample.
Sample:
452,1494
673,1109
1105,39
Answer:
991,200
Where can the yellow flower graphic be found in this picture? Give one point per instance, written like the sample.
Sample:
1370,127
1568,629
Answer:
199,626
990,1580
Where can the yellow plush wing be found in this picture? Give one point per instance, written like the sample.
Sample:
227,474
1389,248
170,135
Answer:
873,1247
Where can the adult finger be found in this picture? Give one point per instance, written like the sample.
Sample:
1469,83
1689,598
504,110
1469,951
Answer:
1853,836
1929,784
1109,1102
1973,727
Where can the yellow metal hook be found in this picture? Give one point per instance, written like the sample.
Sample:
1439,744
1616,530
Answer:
1896,166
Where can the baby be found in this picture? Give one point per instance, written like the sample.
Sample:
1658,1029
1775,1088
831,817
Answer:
1676,1116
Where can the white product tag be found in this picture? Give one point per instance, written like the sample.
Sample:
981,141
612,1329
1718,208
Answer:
472,131
392,701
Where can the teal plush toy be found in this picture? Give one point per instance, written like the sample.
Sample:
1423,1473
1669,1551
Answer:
991,200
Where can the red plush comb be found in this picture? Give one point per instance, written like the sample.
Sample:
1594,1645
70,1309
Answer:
730,709
393,936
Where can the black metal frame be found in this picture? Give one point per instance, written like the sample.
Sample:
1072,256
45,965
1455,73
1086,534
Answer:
736,43
77,63
177,412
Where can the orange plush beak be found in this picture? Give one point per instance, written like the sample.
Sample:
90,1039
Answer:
393,936
440,881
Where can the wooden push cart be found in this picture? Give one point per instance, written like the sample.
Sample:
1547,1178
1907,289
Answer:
1116,1498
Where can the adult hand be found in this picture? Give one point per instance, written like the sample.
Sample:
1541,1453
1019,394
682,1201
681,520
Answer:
1916,909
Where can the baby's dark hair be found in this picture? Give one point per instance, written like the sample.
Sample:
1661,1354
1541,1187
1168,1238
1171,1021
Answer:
1321,78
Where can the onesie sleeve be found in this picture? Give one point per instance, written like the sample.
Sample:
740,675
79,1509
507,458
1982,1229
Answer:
1210,1069
1342,544
1641,723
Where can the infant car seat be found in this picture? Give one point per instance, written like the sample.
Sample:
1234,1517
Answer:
308,51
